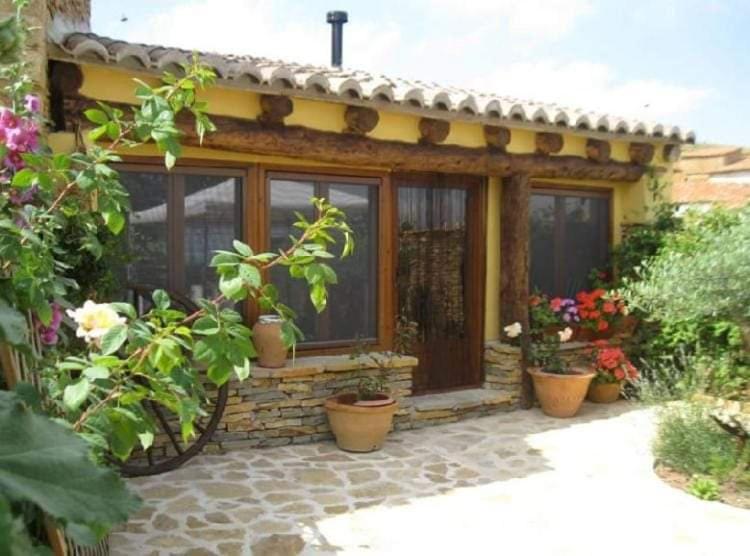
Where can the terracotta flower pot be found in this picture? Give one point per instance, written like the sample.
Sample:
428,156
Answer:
604,392
561,395
268,343
357,427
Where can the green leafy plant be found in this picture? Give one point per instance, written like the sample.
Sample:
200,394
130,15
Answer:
46,464
688,440
695,290
705,488
95,391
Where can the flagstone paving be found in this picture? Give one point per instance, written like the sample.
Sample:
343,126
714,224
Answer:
518,482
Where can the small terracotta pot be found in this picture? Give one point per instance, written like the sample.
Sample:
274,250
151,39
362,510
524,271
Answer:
604,392
561,395
357,427
268,343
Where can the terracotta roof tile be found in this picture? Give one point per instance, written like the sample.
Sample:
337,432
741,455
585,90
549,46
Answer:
272,75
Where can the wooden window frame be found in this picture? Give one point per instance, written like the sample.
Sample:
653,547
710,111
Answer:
383,272
175,208
567,190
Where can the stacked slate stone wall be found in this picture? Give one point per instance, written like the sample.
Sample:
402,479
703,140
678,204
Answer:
285,406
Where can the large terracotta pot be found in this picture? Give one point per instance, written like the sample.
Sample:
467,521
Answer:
561,395
268,343
360,426
604,392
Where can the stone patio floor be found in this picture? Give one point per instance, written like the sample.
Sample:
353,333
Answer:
516,482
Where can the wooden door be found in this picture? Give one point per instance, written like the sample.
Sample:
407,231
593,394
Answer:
439,275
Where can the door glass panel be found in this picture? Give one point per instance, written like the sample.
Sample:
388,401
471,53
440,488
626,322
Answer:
147,230
352,304
212,217
431,284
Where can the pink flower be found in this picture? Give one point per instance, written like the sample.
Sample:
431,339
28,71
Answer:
32,103
48,334
555,304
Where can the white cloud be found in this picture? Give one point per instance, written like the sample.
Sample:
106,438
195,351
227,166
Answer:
263,28
595,87
539,19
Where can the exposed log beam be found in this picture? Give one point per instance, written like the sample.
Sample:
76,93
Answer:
641,153
548,143
433,131
671,153
360,119
497,137
274,108
514,267
597,150
249,136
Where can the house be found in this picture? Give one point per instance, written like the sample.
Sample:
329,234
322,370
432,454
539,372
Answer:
710,175
462,202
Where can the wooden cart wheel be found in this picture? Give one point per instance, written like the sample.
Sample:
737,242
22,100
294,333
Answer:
169,452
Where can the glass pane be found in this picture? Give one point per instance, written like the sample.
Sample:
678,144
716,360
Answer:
351,310
212,216
147,228
585,240
542,213
569,238
286,198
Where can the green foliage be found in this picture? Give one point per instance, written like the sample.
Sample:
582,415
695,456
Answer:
701,273
44,462
705,488
694,293
689,440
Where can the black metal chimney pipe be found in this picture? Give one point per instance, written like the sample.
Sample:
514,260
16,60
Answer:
337,20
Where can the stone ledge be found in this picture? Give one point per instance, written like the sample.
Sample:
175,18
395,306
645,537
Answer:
314,365
459,400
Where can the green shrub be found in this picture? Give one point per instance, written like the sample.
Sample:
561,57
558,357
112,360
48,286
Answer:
694,298
705,488
689,440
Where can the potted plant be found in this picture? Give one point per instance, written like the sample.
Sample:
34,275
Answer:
612,368
559,388
361,420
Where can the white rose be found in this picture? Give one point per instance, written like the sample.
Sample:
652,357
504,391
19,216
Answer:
94,320
566,334
513,330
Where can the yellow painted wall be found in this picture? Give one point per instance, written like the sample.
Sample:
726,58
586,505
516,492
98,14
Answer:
116,85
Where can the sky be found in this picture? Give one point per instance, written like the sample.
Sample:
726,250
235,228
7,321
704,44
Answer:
681,62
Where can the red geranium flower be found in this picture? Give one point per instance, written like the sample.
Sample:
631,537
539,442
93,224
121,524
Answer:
609,307
602,325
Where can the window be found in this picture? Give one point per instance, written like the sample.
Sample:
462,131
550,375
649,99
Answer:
177,220
570,233
352,310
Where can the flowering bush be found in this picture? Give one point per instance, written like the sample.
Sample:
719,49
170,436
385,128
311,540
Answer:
599,310
96,393
611,364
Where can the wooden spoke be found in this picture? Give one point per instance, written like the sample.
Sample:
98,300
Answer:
165,426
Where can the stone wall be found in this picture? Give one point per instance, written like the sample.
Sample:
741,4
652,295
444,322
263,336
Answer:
285,406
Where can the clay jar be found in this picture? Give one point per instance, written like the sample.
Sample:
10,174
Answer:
268,343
